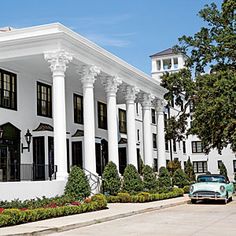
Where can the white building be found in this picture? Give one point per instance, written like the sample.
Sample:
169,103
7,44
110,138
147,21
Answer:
191,147
66,101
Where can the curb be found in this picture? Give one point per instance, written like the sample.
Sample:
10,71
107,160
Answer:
51,230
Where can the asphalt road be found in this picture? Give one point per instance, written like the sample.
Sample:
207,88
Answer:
203,219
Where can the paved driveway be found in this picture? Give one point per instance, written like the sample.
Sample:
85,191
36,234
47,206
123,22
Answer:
200,219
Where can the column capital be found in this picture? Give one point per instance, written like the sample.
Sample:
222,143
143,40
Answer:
159,104
58,60
146,100
111,84
130,93
89,74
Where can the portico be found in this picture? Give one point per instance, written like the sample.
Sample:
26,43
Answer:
71,65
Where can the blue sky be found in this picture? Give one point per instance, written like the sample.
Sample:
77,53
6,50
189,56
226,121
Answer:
130,29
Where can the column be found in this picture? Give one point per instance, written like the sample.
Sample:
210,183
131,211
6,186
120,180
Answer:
88,78
111,84
58,61
146,100
130,96
159,105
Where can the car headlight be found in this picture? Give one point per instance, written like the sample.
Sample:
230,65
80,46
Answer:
191,189
222,188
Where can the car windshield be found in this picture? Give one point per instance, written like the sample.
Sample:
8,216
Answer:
212,178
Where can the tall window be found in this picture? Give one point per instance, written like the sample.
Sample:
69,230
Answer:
78,109
8,90
200,166
102,115
153,116
174,145
197,147
175,60
122,121
219,162
158,65
184,147
154,140
234,165
166,144
138,135
44,100
165,120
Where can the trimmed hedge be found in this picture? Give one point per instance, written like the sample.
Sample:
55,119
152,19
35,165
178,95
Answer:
144,196
39,202
17,216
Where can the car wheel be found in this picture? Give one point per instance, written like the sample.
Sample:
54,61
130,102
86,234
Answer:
193,201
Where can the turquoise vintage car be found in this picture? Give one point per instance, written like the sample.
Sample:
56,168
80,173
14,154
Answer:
215,187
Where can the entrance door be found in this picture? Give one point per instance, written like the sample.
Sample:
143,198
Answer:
122,159
38,158
77,156
10,153
101,156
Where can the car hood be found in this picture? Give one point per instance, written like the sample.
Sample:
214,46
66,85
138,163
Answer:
207,186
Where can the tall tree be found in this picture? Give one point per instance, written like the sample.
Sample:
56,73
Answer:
212,94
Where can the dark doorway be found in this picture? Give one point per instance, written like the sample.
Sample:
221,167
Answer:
139,161
51,164
101,156
77,156
122,159
38,158
10,153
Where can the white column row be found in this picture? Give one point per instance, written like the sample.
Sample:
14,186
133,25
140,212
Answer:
58,62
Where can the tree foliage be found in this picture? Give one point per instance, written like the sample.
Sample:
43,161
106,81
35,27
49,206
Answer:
223,170
164,180
132,182
188,169
180,179
149,179
77,184
110,179
213,94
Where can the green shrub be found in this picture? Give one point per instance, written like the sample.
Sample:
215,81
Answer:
17,216
149,179
110,179
223,170
164,180
180,179
188,169
77,184
132,182
39,202
143,197
124,197
186,188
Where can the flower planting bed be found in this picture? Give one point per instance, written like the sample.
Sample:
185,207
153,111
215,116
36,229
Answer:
17,212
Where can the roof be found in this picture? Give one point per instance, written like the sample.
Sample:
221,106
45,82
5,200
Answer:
163,53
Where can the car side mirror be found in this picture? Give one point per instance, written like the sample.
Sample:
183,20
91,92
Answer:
227,182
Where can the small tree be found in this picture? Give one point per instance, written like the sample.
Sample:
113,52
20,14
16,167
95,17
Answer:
110,179
132,182
164,180
149,179
180,179
172,166
188,169
223,170
77,184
